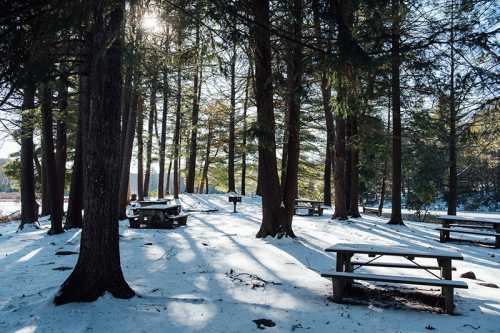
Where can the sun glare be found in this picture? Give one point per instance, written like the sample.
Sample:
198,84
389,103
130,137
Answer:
151,23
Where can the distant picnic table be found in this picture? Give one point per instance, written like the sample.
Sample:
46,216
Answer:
480,226
157,216
344,273
312,206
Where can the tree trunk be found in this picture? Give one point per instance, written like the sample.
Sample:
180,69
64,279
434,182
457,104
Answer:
273,218
326,94
342,11
384,176
204,176
178,100
163,138
452,141
396,217
127,148
354,194
168,175
348,160
98,268
294,92
140,147
76,192
61,137
56,210
245,129
151,122
29,207
231,150
45,188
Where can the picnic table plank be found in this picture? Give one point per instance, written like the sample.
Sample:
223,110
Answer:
454,218
401,251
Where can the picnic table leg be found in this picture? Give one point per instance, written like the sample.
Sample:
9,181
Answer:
348,268
446,224
497,238
447,292
339,284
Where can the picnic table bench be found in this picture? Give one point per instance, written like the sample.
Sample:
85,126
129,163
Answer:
467,225
158,216
312,206
344,273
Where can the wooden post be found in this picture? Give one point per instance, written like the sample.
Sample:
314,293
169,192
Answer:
447,292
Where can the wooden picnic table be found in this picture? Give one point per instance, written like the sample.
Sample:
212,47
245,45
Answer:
344,274
312,206
158,216
464,224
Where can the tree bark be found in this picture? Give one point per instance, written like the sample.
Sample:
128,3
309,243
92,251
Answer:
295,70
98,268
56,210
151,122
76,192
140,147
326,94
231,150
452,141
61,137
177,129
163,138
348,159
204,176
273,218
384,175
343,13
191,165
396,217
354,194
29,207
244,134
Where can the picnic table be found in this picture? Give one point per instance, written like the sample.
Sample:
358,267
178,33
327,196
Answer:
469,225
312,206
144,203
344,273
158,216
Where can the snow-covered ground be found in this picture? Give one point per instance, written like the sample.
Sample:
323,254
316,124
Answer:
214,276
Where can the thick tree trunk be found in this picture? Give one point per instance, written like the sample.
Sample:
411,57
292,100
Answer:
61,138
294,92
98,268
149,144
56,206
273,218
140,148
76,192
396,217
343,12
29,207
163,138
231,150
193,147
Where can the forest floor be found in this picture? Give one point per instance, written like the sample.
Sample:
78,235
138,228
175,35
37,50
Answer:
213,275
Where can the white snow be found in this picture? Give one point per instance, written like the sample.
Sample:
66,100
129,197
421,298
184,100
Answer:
214,276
